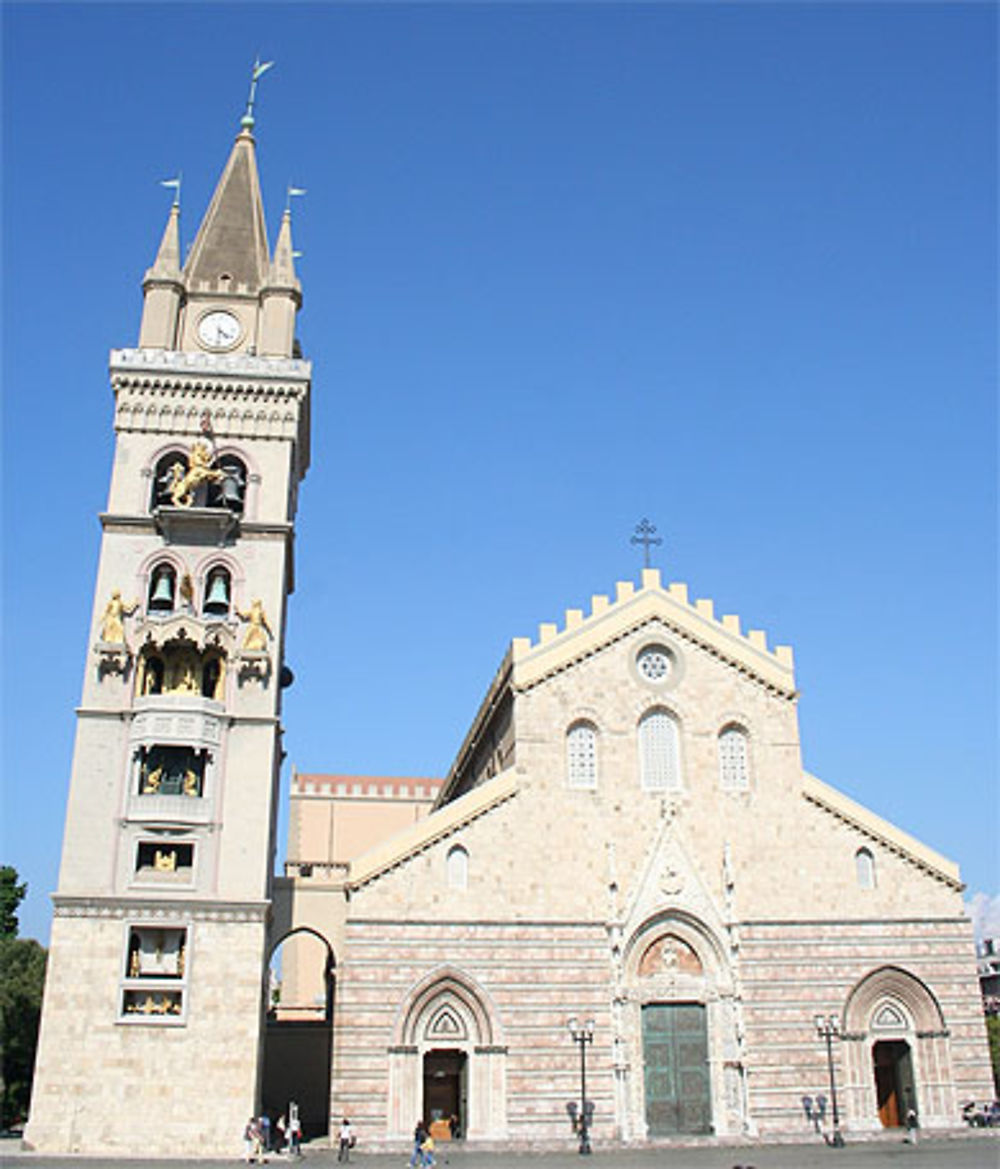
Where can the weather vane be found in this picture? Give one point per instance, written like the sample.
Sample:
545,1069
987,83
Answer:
259,69
645,534
176,184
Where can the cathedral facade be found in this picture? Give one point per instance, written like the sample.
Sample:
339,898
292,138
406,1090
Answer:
626,840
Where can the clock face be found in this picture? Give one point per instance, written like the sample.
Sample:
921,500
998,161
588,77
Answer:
218,329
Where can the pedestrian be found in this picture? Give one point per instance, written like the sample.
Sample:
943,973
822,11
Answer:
911,1122
249,1137
427,1151
419,1136
265,1132
282,1124
346,1141
295,1135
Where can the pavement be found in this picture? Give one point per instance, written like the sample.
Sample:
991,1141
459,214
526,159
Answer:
974,1151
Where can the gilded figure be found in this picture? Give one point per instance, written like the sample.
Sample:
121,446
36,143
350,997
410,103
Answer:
181,484
258,629
113,618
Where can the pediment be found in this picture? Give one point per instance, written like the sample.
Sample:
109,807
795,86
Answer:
582,635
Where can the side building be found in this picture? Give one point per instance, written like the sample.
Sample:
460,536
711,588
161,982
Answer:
156,976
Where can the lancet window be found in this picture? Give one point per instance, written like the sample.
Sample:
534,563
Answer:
230,490
864,865
734,758
659,752
155,973
170,771
162,589
457,867
218,593
581,756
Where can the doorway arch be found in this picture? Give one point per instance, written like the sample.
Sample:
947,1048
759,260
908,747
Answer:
897,1053
298,1034
448,1058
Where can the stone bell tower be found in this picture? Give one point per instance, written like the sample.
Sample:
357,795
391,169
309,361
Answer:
154,1005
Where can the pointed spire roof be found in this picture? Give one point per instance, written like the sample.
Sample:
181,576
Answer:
282,272
232,239
167,264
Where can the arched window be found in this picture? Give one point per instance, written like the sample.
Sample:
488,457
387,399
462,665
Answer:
162,589
217,593
230,491
659,752
734,767
581,756
457,867
864,865
164,477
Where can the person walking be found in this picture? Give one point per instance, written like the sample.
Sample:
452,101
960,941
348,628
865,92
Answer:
419,1136
910,1120
346,1141
295,1135
249,1139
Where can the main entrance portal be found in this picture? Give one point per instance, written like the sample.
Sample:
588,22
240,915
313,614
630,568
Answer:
893,1081
675,1057
445,1090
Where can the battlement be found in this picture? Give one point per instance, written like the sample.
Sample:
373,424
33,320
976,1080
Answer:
631,606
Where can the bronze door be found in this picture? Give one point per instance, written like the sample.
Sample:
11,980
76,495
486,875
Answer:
675,1058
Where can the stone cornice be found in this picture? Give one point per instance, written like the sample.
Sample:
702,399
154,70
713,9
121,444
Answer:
222,365
172,906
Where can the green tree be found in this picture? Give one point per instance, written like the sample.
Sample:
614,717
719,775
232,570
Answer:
11,896
22,979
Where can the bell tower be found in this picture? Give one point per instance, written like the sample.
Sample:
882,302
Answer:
154,1007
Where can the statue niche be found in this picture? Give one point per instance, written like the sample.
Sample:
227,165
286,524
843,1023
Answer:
180,668
171,771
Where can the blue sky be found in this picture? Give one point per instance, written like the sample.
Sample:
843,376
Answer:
731,267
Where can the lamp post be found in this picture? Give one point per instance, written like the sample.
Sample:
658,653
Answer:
827,1028
582,1034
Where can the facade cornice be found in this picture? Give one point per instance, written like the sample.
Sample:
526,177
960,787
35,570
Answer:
172,907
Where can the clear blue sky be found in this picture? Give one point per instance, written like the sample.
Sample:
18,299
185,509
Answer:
732,267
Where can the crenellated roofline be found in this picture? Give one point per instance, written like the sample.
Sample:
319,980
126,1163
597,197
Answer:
556,649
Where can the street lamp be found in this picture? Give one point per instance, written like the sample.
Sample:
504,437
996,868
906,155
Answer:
583,1033
827,1028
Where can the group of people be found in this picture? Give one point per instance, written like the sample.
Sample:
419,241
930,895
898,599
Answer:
258,1140
423,1148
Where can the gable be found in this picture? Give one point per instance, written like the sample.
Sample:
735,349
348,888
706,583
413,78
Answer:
581,636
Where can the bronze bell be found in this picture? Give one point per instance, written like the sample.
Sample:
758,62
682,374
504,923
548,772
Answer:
163,591
217,594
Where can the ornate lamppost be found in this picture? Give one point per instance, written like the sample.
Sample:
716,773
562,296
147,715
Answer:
582,1034
827,1028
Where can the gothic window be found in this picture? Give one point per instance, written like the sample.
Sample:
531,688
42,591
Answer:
213,677
734,755
581,756
659,752
150,674
155,974
457,866
162,589
179,668
864,865
218,589
165,475
230,490
164,859
171,771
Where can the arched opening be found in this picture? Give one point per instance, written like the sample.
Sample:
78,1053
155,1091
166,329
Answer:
162,589
230,490
218,591
299,1033
169,468
447,1064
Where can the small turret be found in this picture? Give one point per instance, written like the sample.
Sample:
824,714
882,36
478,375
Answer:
163,290
281,297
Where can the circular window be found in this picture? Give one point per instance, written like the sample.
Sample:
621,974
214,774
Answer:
655,663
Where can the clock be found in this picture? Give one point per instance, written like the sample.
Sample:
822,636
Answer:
219,329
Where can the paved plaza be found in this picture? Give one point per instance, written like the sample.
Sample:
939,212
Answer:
981,1151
